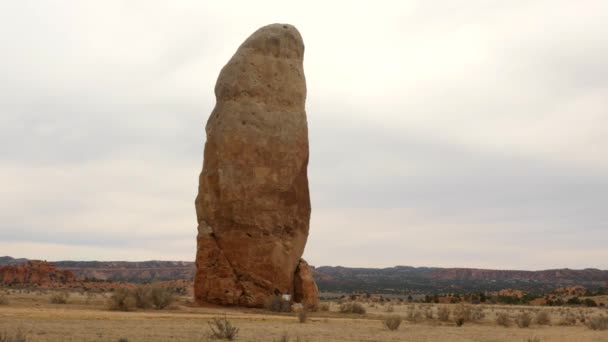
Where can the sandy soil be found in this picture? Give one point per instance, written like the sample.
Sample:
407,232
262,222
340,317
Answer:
85,318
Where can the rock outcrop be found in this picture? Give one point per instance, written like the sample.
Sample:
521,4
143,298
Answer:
34,273
253,205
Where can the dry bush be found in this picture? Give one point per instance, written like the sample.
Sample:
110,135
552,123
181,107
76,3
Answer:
352,307
302,316
477,314
597,323
533,339
502,319
122,300
523,320
443,313
222,329
324,307
143,296
569,319
392,322
60,298
462,312
17,336
123,339
161,297
542,318
390,308
3,299
428,313
459,321
285,338
413,315
278,304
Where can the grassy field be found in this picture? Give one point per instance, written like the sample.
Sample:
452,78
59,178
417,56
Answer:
85,317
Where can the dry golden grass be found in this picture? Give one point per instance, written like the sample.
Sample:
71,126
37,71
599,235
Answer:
86,318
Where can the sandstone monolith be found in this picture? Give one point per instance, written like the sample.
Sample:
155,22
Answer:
253,204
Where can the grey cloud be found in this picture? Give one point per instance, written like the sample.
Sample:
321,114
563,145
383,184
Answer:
480,117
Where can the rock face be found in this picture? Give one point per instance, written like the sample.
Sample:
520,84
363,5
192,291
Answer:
305,288
38,273
253,204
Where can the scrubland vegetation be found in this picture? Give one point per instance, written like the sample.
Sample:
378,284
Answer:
152,313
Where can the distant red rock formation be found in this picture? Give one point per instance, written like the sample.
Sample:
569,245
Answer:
34,273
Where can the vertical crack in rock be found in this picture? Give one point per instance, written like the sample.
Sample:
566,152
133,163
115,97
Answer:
253,202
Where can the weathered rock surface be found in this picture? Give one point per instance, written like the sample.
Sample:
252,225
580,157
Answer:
38,273
253,205
305,288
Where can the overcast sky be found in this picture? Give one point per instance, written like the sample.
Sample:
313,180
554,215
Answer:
442,133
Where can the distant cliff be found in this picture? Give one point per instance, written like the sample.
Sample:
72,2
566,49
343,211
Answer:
402,279
34,272
399,279
135,272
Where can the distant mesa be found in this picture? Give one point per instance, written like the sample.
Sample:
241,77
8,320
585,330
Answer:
253,204
34,272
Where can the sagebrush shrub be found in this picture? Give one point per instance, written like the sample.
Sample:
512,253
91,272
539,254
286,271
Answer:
142,296
568,319
278,304
302,316
392,322
60,298
523,320
477,314
352,307
16,336
3,299
542,318
503,319
122,300
161,297
597,323
443,313
222,329
462,312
